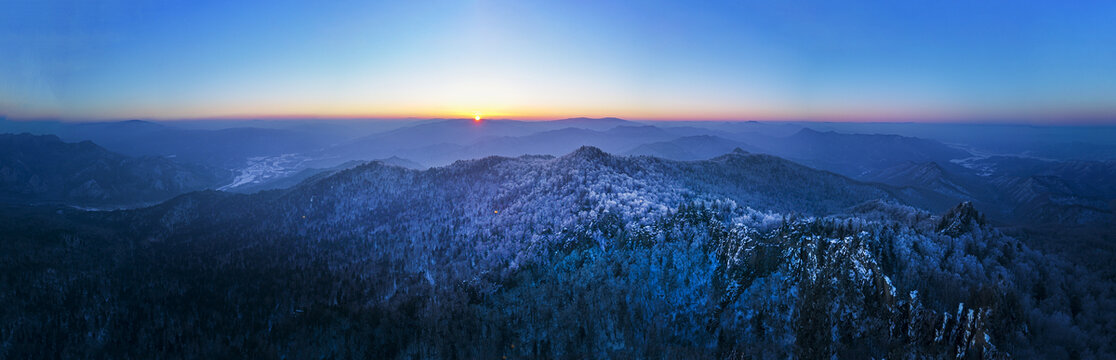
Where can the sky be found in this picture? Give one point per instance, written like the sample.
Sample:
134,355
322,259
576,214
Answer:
1032,61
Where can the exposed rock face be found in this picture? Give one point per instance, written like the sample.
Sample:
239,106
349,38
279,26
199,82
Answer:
961,219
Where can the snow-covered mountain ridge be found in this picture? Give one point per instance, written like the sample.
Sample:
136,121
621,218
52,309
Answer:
613,256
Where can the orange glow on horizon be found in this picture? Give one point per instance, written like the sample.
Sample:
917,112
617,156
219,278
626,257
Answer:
544,113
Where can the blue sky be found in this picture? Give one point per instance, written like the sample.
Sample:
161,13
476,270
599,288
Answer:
825,60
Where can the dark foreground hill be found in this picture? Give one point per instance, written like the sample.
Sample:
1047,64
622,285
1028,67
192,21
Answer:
586,255
43,169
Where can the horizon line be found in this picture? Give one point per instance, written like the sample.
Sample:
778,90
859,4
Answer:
1091,120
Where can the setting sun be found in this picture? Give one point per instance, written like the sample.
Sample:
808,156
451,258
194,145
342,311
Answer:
477,117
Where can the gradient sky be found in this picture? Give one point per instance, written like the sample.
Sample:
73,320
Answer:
827,60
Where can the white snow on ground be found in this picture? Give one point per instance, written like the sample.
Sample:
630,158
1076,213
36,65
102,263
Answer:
264,168
985,168
974,163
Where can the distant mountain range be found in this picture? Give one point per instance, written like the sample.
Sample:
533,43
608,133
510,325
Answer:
225,148
924,172
697,147
444,141
853,154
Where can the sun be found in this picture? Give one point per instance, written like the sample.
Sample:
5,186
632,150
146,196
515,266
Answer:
477,117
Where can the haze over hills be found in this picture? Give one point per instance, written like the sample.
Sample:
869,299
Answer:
854,154
1074,142
697,147
1011,188
225,147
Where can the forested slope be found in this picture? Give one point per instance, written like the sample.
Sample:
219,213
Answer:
584,255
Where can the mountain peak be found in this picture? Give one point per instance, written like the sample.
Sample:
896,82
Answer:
586,153
590,152
961,219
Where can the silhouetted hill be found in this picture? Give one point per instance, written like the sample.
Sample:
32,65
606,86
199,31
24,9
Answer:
599,124
1017,190
932,176
43,169
854,154
226,148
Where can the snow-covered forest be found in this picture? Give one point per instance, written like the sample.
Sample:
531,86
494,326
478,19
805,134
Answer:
583,255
